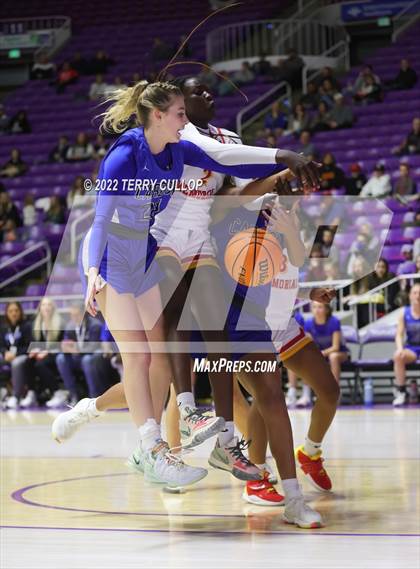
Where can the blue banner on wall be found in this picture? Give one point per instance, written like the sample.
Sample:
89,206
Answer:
372,10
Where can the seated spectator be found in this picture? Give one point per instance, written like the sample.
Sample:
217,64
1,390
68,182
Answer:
66,76
8,213
43,68
359,271
407,266
160,50
378,185
405,79
366,245
100,63
380,276
407,340
332,271
404,185
15,337
81,150
307,147
329,250
244,74
19,124
367,70
116,84
369,91
29,211
262,66
315,267
325,330
356,181
77,190
327,73
98,88
311,99
101,146
327,93
271,141
4,121
321,121
290,69
56,212
275,120
332,177
225,86
59,152
208,78
341,115
79,331
80,64
299,120
411,144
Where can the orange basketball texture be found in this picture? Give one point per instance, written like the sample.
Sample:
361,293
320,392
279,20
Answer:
253,257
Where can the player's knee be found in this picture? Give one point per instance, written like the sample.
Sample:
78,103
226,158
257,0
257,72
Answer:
137,362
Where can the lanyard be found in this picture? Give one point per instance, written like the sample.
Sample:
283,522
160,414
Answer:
11,336
80,335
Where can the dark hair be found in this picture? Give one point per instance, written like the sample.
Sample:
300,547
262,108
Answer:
18,304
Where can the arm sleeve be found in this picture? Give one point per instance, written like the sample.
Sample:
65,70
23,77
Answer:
119,165
231,159
335,325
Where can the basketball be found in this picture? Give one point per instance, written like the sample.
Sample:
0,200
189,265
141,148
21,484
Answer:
253,257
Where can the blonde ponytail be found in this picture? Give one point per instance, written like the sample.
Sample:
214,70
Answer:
137,101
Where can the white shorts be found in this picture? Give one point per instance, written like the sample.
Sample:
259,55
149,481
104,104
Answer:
192,248
288,342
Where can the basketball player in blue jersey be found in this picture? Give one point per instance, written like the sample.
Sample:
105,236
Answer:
116,253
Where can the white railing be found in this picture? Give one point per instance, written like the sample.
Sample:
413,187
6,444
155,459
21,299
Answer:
76,237
272,37
279,92
405,19
38,263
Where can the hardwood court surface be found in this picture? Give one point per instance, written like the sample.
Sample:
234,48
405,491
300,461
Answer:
77,505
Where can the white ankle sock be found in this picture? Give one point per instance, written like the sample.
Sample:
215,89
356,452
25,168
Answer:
227,434
291,392
94,410
306,391
310,447
185,399
149,434
260,466
291,488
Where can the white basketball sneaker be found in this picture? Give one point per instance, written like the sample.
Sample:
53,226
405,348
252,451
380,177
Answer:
297,512
400,398
29,400
69,422
197,426
160,466
60,398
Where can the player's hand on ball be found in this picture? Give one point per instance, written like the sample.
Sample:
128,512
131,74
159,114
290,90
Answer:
281,220
324,295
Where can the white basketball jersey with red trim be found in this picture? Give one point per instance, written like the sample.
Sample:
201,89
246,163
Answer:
190,209
284,290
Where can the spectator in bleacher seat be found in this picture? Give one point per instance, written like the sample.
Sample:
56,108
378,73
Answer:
56,213
332,177
160,50
411,144
15,337
66,75
289,69
100,63
380,276
341,115
315,267
116,84
366,244
408,265
10,217
275,121
329,250
98,88
299,120
15,166
59,152
405,79
81,150
307,147
271,141
244,74
328,73
208,78
327,93
19,123
29,211
359,271
80,64
331,271
76,191
43,68
225,87
262,67
4,121
321,120
325,330
100,146
311,99
360,80
355,182
404,185
369,91
378,185
78,332
407,340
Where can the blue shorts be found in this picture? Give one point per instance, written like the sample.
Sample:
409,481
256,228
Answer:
128,264
415,349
